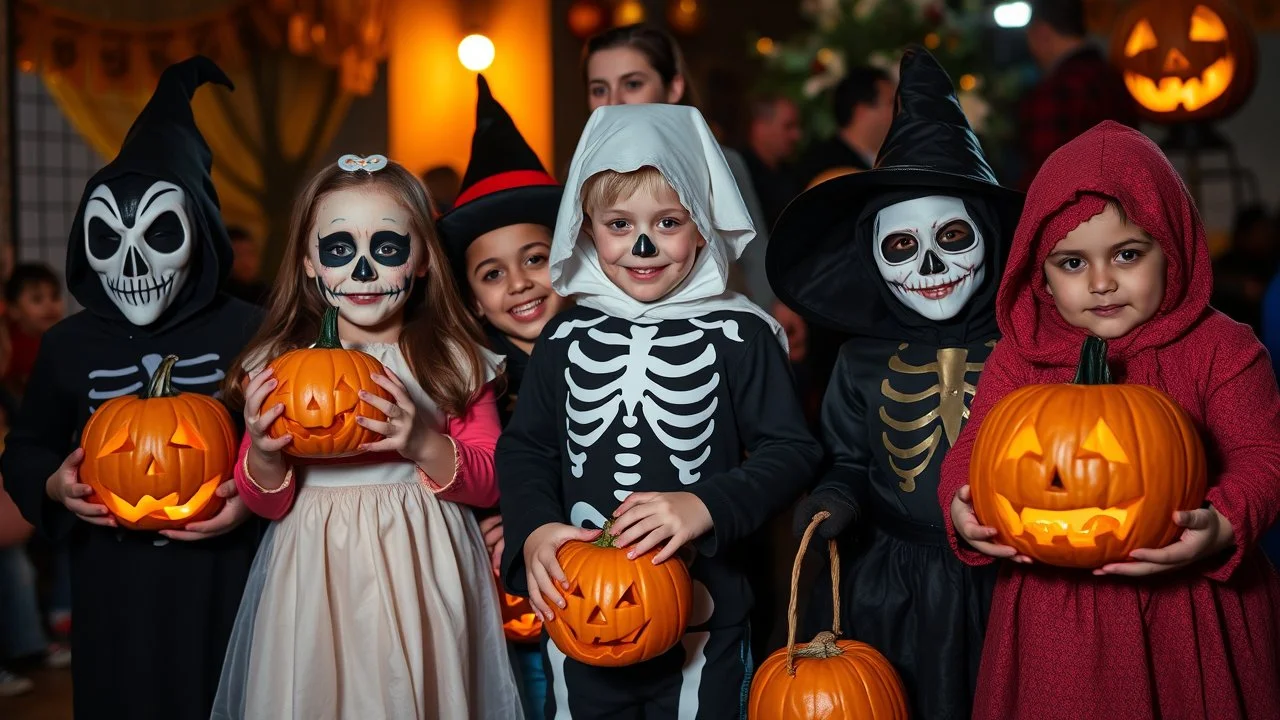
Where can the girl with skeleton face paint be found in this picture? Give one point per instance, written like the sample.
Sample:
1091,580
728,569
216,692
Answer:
379,522
904,259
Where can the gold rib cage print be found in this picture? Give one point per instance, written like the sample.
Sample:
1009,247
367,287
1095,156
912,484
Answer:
945,406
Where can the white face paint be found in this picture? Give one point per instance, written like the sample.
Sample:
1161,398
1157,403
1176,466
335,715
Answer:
363,255
141,247
931,253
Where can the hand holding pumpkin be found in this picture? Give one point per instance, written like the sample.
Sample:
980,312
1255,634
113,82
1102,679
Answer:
257,421
975,533
64,487
648,518
491,529
231,516
542,570
405,431
1207,532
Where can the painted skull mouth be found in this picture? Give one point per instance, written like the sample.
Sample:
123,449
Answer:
936,290
140,291
1078,527
1192,93
630,638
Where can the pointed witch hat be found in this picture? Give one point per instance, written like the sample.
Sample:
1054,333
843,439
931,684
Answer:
505,183
930,150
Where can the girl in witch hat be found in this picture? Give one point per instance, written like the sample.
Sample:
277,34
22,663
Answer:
147,254
906,258
1111,247
498,236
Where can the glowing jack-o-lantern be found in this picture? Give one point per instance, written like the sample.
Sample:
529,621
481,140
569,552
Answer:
320,388
619,611
519,624
1185,60
1080,475
156,460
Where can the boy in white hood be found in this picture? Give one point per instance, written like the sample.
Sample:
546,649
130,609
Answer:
640,404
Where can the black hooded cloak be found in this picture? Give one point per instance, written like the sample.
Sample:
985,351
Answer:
151,617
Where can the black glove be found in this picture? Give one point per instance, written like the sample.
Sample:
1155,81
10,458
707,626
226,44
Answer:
844,513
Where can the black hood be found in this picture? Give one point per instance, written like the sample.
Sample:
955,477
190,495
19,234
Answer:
163,144
820,260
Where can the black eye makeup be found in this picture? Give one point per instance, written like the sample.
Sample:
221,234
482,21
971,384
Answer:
389,248
337,249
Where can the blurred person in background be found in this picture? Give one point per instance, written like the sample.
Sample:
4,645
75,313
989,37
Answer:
245,281
863,108
1241,274
443,184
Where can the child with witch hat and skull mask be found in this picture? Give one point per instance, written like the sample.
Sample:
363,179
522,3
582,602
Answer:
498,236
906,258
147,254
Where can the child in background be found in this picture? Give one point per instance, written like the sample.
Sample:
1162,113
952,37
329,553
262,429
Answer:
640,403
1110,245
372,595
498,236
33,304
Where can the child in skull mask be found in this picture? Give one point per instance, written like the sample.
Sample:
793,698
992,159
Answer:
906,259
372,595
147,254
1111,246
639,403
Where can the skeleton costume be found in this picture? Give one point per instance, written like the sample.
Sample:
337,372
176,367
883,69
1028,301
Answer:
622,396
905,258
148,251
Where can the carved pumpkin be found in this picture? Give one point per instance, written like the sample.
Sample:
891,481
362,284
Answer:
1185,60
320,388
827,678
619,611
1080,475
155,460
519,623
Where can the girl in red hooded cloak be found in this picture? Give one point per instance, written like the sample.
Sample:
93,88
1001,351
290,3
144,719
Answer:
1110,244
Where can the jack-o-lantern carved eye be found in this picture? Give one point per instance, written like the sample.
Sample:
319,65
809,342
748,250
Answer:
120,442
1025,444
1142,38
1206,26
343,386
1102,443
628,598
186,436
576,591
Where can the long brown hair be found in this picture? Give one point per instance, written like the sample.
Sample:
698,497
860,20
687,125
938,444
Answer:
658,47
440,340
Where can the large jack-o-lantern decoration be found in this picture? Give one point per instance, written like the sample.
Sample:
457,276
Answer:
828,678
1080,475
1185,60
155,460
619,611
320,388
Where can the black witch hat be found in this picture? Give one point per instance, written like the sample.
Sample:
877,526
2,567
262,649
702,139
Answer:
164,143
814,256
505,183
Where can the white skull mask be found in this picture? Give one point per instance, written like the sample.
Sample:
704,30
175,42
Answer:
140,244
931,253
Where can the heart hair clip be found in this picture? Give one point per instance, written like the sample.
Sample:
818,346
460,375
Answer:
352,163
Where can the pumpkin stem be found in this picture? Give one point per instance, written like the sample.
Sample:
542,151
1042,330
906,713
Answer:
1093,368
823,646
606,538
161,385
328,339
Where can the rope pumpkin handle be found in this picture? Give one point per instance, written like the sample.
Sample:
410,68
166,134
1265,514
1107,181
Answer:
824,644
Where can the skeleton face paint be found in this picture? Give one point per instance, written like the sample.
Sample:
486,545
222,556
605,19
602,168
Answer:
138,238
363,255
931,253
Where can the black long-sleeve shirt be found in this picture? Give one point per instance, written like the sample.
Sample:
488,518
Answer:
609,406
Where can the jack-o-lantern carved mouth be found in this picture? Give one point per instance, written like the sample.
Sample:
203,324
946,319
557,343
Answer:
1079,527
1191,93
165,508
302,431
630,638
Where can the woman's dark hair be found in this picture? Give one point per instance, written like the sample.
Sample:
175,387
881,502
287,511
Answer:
657,46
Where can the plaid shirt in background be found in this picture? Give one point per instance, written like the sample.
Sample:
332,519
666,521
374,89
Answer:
1080,92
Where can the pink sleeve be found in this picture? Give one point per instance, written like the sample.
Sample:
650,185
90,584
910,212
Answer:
999,378
475,435
272,505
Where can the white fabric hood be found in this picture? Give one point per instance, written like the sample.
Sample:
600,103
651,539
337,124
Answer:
674,139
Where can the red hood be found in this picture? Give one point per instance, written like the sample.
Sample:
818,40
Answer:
1117,162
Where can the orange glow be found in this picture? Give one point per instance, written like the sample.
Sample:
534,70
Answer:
150,513
431,97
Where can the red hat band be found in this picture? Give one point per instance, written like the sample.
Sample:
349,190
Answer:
504,181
